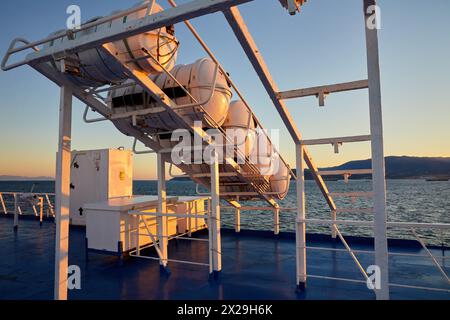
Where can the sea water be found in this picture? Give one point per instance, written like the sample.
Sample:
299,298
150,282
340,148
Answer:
407,201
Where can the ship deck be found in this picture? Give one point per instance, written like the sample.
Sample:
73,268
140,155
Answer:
256,266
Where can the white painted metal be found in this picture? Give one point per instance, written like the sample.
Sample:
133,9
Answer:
215,216
335,141
378,164
3,204
352,254
16,212
93,68
300,226
237,219
50,205
96,176
202,7
315,91
276,221
436,263
116,225
172,16
239,28
62,188
162,207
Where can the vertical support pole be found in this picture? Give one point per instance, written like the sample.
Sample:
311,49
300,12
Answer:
3,204
215,216
162,208
41,210
333,227
210,237
276,221
138,231
300,223
62,199
50,206
237,220
378,164
16,212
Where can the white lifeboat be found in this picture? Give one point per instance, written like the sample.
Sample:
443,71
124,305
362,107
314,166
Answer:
240,127
198,79
97,68
269,164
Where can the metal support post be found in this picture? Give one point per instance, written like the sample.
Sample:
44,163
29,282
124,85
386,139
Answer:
276,221
215,217
16,212
162,207
62,187
378,164
300,223
237,218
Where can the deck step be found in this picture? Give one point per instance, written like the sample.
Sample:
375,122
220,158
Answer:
338,140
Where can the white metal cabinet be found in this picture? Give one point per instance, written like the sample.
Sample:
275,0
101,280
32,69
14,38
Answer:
111,229
98,175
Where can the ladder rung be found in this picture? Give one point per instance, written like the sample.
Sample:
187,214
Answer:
336,140
354,210
352,194
314,91
345,172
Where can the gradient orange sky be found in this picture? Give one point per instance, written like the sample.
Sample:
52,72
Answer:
325,45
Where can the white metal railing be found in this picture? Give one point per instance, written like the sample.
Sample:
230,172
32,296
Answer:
67,33
155,239
410,226
25,203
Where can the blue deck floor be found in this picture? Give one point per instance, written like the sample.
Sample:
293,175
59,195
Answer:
255,266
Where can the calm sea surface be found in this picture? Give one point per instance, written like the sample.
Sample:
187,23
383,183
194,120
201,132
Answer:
408,201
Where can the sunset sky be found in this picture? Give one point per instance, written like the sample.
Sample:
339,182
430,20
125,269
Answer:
323,45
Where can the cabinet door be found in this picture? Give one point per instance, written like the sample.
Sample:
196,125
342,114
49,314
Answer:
120,175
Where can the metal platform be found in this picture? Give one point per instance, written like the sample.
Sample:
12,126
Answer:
258,266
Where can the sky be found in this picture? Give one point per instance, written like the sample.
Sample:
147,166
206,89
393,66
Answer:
325,44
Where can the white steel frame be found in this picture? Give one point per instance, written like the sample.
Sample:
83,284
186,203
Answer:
184,13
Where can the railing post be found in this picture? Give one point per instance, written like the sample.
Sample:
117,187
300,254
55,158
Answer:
300,222
162,208
378,164
41,210
276,221
333,227
3,204
16,212
215,217
237,218
62,199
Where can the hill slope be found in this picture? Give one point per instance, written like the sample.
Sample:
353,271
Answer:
402,167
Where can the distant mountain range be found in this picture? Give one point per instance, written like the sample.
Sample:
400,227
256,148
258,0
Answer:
401,168
19,178
396,168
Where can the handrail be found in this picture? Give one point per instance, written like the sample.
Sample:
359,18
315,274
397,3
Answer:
11,51
135,151
74,31
85,119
